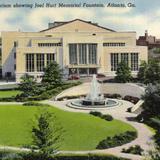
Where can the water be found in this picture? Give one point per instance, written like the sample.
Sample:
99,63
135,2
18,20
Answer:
94,93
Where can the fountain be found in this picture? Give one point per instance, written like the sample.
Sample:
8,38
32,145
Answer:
94,99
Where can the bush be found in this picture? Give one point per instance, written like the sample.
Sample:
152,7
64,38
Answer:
33,104
36,156
117,140
129,109
106,95
131,99
7,99
107,117
89,157
95,113
133,150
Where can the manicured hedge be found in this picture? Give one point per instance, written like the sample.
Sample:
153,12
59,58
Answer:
115,95
133,150
131,99
107,117
13,155
117,140
89,157
74,157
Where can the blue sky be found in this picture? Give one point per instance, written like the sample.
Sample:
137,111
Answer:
145,16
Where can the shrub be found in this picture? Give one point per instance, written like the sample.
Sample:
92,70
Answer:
131,99
33,104
133,150
117,140
115,95
7,99
129,109
34,156
95,113
107,117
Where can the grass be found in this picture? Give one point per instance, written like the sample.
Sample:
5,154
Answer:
9,93
82,131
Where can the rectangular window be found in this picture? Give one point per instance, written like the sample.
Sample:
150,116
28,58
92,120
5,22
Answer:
92,70
15,44
83,71
124,57
30,62
113,44
50,58
82,53
134,61
49,44
73,53
114,61
14,55
40,62
92,52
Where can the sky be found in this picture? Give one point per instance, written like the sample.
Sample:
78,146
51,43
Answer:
145,16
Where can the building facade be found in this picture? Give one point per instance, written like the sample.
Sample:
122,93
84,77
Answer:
148,40
78,46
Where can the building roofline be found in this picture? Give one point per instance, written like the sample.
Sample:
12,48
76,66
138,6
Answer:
67,22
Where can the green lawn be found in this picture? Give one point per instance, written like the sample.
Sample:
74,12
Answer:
9,93
82,131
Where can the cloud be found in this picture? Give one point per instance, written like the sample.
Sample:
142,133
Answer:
120,19
6,15
39,17
116,10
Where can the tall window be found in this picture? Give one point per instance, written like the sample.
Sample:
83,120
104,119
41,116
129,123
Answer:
30,62
82,53
124,57
50,58
134,61
40,62
92,51
73,53
114,61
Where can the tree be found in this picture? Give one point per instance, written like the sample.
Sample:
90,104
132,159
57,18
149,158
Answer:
152,73
123,73
46,135
52,75
151,101
28,85
142,70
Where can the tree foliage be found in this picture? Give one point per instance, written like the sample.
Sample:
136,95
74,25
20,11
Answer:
142,70
52,75
46,135
123,73
28,85
149,73
151,98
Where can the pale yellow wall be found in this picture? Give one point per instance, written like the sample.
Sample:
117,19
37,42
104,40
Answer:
76,26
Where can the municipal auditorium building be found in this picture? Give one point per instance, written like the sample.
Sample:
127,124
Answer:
78,46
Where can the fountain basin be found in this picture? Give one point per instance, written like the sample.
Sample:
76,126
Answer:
82,103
